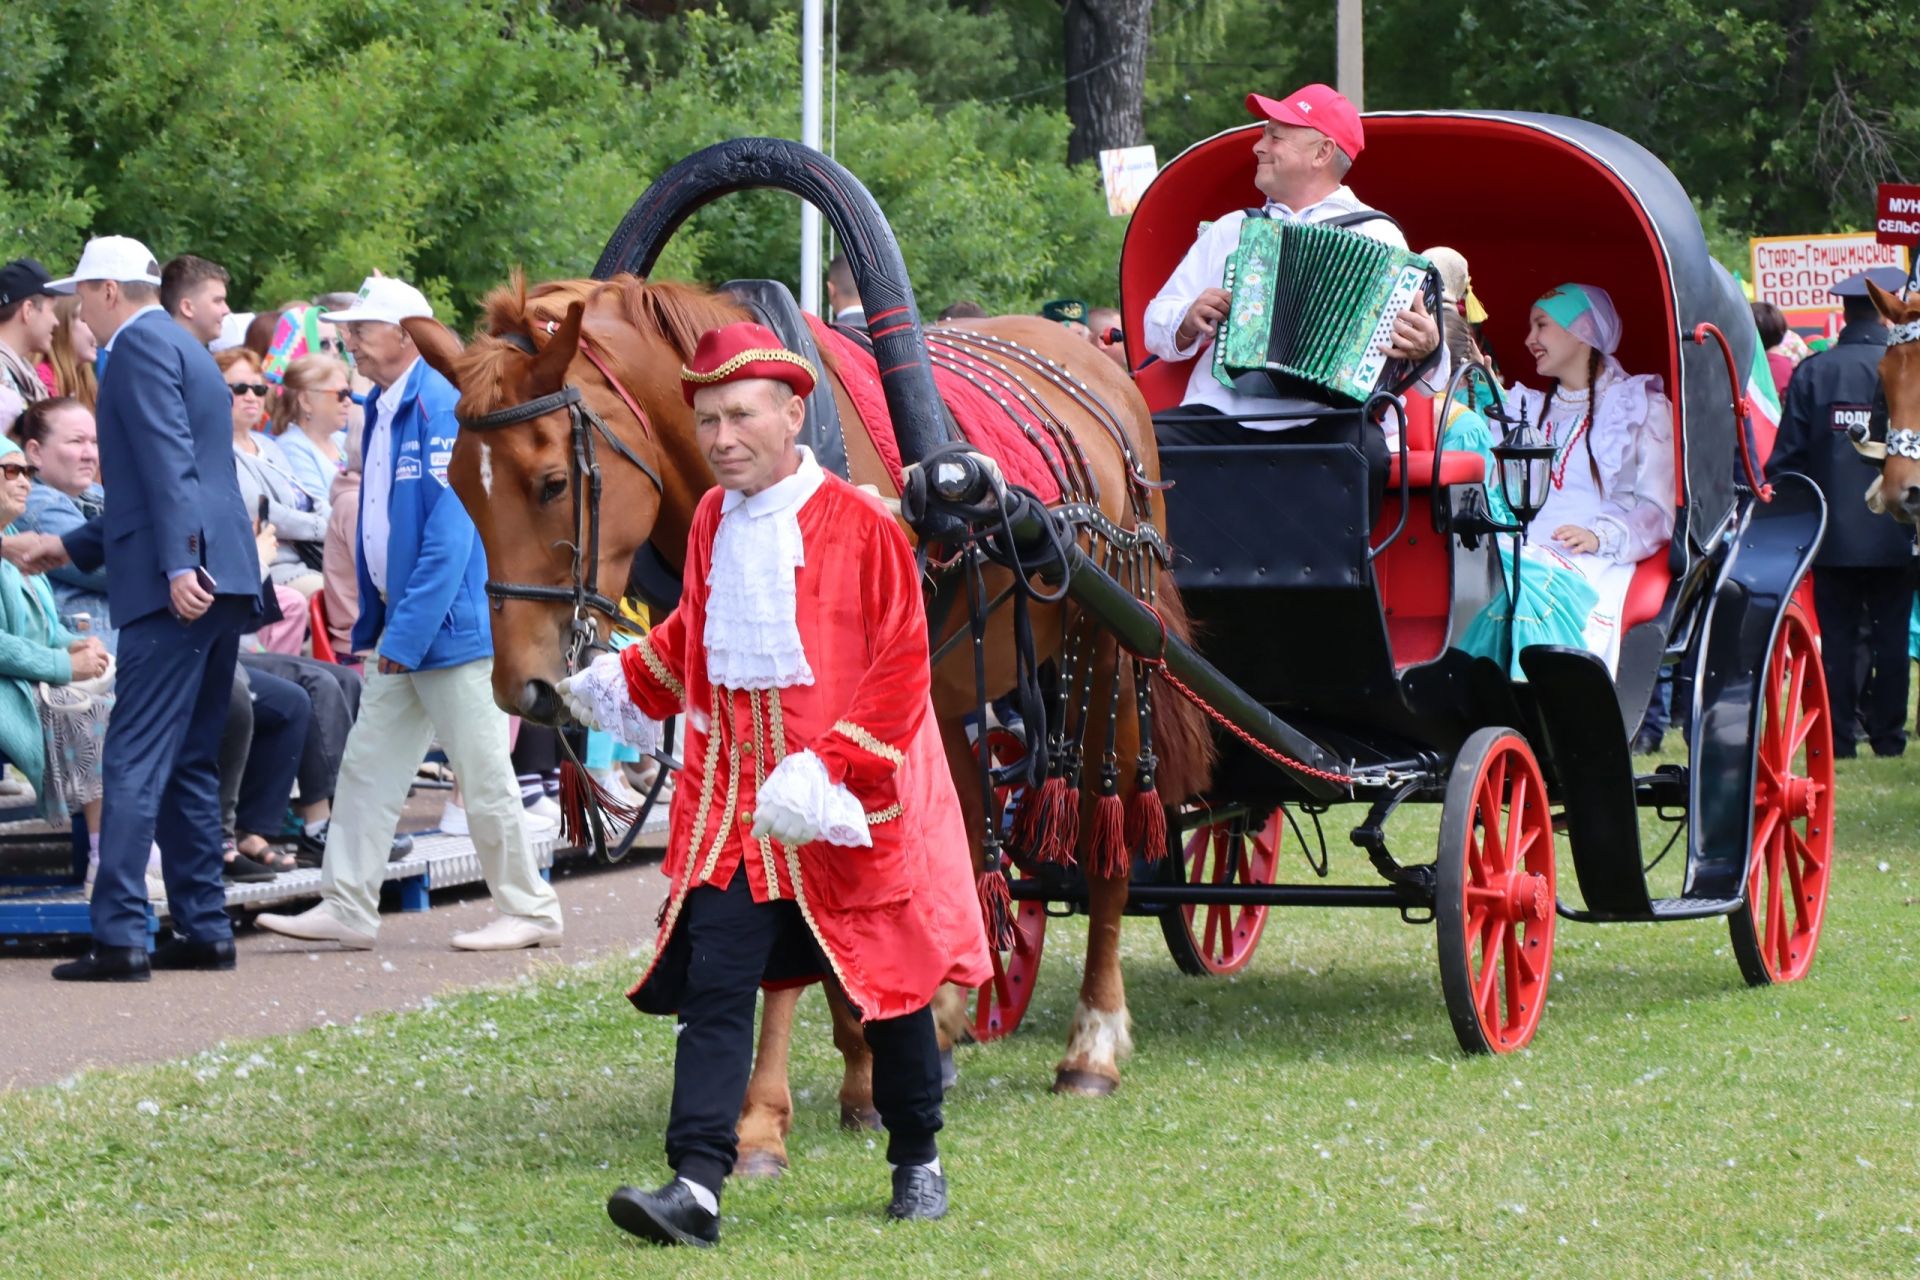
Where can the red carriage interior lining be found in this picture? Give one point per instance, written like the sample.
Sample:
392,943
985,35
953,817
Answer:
1528,209
980,419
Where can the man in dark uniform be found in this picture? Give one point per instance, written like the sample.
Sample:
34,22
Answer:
1863,572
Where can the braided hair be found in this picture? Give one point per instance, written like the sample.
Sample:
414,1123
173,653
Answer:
1595,362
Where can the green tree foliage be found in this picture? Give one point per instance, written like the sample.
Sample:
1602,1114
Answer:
305,144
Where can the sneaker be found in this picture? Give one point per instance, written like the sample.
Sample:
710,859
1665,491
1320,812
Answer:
545,807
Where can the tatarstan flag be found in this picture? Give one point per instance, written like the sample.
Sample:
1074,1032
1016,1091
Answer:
1763,404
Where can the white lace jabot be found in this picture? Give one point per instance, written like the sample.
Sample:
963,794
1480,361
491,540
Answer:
752,638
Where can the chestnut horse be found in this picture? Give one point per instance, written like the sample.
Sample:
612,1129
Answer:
1898,493
622,343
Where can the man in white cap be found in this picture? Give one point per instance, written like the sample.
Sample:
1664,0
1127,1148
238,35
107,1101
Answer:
184,582
423,615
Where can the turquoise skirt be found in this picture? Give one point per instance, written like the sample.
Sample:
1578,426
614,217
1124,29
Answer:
1555,602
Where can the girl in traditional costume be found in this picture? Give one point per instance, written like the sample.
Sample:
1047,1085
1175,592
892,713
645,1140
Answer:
1611,501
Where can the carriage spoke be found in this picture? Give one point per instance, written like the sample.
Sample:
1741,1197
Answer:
1490,945
1800,733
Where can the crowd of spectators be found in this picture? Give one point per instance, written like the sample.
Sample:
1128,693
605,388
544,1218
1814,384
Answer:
296,419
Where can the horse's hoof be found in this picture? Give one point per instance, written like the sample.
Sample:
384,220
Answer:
1084,1084
858,1119
949,1073
759,1164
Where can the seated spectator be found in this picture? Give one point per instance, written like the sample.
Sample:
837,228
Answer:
309,416
299,520
343,534
59,439
260,750
965,309
72,353
52,725
1772,323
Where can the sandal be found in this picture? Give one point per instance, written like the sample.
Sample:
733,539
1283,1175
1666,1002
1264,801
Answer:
266,855
241,869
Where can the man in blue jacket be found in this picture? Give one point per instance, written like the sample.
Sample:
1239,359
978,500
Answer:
423,614
183,582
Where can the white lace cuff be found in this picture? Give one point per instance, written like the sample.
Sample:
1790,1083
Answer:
603,688
800,784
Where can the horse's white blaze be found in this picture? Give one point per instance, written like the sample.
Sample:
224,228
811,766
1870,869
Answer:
1099,1038
486,470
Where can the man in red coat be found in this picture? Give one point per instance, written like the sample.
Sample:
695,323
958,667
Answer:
815,832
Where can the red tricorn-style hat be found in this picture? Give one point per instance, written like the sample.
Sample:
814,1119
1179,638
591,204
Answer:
736,352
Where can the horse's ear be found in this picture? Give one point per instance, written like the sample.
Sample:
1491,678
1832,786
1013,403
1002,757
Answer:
1895,311
438,345
548,373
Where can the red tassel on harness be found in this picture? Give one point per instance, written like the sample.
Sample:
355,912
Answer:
1147,824
1107,845
1065,832
1023,836
996,910
577,791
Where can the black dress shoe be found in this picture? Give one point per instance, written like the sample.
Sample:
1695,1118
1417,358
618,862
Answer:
106,964
919,1194
311,850
186,953
668,1216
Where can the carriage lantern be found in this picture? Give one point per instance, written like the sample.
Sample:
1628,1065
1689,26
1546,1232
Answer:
1525,459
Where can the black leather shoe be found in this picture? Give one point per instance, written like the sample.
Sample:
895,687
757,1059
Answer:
919,1194
311,850
667,1216
186,953
106,964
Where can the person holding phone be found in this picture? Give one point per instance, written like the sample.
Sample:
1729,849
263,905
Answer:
183,583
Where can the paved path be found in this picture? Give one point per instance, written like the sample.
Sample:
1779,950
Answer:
50,1029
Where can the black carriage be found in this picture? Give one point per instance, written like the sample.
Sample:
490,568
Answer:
1328,664
1327,655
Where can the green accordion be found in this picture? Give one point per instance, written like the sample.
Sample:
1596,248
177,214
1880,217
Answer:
1313,311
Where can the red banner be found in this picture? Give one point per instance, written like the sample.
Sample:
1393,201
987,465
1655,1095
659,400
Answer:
1897,220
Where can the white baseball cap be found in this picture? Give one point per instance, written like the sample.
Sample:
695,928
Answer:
119,258
386,299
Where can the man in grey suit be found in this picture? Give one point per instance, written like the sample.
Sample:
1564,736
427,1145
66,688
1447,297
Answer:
183,582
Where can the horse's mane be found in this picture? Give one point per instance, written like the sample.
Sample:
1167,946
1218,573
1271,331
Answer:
678,313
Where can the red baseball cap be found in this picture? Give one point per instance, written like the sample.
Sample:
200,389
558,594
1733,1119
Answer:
1317,106
742,350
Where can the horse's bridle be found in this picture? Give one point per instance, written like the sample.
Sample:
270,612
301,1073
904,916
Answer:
584,482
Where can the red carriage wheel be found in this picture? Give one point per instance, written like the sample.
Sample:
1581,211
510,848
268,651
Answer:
1495,902
1002,1002
1775,932
1219,938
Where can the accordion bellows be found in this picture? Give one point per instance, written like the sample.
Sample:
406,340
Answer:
1313,310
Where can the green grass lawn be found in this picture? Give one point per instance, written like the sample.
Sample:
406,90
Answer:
1311,1117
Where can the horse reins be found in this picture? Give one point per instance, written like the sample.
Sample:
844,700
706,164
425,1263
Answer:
584,482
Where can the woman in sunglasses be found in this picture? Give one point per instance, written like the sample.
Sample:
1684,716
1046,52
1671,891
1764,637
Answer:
298,518
309,421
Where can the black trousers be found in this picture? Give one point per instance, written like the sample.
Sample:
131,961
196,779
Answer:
731,938
1883,597
1170,429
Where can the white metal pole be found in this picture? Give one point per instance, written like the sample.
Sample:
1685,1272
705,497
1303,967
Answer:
1350,58
810,42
